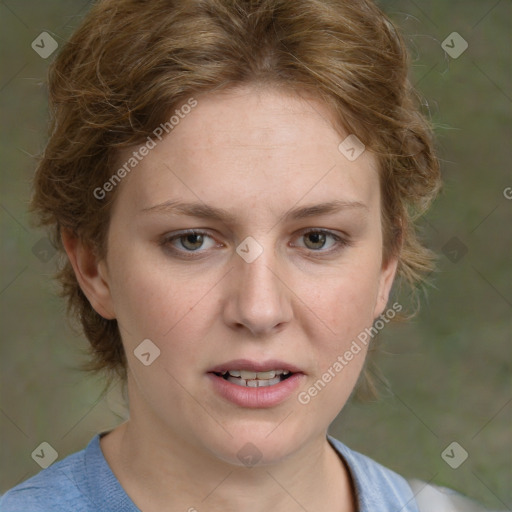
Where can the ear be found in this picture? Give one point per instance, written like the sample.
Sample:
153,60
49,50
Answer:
91,274
387,276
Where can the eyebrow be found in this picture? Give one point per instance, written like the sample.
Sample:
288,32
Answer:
204,211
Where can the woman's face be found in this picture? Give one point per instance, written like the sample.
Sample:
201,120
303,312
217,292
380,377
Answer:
284,271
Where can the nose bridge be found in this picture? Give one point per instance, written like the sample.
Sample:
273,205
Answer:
259,278
261,301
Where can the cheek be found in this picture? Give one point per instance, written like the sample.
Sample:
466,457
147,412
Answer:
159,304
176,315
345,302
339,348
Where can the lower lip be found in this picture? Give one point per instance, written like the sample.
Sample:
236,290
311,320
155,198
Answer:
256,398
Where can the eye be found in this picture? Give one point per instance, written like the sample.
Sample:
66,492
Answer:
316,240
189,241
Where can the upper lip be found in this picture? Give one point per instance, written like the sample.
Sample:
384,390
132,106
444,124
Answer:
255,366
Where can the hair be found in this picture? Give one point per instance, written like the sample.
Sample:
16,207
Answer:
130,63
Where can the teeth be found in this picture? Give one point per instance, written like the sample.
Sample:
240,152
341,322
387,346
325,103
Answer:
255,379
266,375
254,383
247,375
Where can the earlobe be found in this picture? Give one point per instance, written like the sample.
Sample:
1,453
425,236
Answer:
387,277
91,274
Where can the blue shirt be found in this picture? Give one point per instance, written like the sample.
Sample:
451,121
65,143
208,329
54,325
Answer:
84,482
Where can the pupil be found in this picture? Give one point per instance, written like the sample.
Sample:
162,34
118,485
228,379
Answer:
196,240
317,238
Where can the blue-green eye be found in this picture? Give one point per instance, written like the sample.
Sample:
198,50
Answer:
189,241
316,240
192,242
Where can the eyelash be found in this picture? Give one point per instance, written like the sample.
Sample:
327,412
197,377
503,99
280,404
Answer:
340,242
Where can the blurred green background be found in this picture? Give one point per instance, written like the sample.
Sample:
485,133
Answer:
448,370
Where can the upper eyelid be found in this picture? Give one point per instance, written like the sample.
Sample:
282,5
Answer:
199,231
176,236
180,234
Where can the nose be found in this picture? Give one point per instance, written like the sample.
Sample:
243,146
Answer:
258,297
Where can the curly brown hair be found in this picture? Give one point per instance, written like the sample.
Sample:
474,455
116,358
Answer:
132,62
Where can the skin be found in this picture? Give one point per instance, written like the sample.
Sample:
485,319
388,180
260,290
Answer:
257,153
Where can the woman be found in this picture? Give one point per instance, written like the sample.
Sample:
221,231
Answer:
235,186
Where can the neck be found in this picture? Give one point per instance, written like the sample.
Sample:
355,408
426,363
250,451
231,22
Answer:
160,471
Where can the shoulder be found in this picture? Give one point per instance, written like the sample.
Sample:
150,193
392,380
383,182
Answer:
433,498
376,487
380,488
58,488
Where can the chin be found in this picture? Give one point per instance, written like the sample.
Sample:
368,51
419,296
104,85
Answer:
254,443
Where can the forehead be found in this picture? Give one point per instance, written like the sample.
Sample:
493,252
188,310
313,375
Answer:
250,147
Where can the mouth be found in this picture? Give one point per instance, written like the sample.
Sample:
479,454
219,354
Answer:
256,384
250,379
